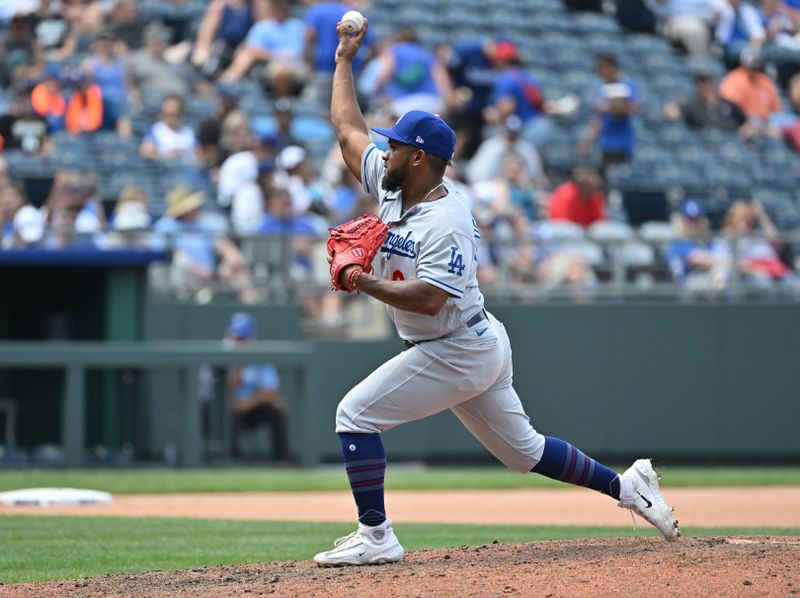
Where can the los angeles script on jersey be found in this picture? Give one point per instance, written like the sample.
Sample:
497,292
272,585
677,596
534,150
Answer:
403,246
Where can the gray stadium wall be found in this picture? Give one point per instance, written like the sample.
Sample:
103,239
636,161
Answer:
690,382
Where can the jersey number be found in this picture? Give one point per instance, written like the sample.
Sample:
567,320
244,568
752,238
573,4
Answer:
456,265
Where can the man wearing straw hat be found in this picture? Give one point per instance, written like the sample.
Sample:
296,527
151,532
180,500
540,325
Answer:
200,252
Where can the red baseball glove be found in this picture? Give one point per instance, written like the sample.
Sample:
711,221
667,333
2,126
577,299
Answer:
354,243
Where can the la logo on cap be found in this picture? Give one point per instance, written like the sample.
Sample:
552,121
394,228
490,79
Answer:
419,139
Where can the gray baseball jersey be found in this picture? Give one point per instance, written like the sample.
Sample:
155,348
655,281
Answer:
464,363
435,241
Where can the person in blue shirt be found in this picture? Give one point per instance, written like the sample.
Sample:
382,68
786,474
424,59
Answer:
224,26
692,260
405,78
254,392
277,41
468,75
321,41
611,126
517,93
201,252
739,27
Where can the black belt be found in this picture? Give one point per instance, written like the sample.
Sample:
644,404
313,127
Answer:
478,317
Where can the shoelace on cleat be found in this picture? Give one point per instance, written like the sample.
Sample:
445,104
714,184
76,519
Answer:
346,539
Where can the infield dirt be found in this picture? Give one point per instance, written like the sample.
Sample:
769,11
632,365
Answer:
643,567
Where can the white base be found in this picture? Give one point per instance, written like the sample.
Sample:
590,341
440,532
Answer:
46,497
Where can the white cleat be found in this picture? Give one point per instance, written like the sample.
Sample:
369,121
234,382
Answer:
639,492
366,546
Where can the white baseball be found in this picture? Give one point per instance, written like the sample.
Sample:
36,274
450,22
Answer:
353,21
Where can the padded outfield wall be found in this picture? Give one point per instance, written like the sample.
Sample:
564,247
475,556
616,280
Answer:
703,382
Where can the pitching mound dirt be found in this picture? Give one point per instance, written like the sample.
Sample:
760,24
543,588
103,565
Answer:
738,566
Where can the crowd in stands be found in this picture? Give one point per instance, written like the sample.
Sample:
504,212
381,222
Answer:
200,128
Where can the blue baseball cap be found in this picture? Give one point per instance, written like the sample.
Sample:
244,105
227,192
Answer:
691,208
242,325
425,131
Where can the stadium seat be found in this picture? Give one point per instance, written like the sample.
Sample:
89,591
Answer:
548,231
606,231
590,251
637,254
588,23
657,233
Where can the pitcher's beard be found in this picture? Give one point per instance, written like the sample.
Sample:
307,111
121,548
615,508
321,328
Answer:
393,180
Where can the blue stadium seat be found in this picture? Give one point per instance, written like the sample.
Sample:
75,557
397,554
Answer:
588,23
646,45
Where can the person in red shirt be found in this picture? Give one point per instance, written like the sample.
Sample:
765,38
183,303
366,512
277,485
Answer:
580,200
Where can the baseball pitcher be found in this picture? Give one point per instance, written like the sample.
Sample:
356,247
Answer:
458,355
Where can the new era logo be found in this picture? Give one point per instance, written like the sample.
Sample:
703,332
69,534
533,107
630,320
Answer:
420,139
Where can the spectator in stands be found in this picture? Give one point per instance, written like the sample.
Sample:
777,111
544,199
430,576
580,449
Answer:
491,249
236,134
85,106
687,22
789,122
405,79
612,123
310,194
22,129
253,392
107,69
55,34
552,267
75,216
130,228
466,74
169,138
754,92
782,47
224,26
281,219
706,109
130,195
517,93
21,225
345,196
152,76
48,100
277,41
511,193
308,267
691,258
487,162
200,252
209,132
321,41
29,227
580,200
748,246
739,27
284,135
10,202
127,25
792,8
247,203
19,53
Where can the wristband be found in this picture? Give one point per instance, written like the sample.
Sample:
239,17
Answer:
352,278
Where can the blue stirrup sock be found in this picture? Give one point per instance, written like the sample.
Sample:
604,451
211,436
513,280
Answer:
562,461
365,462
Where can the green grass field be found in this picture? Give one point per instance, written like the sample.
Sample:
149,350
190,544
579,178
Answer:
37,548
41,548
140,481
